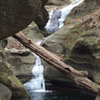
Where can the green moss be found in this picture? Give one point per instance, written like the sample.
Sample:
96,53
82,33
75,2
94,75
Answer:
5,79
33,32
18,90
68,21
8,78
96,86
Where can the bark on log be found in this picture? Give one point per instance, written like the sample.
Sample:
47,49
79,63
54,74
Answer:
79,77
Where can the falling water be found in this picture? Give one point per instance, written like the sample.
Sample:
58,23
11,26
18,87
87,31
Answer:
66,10
59,15
36,84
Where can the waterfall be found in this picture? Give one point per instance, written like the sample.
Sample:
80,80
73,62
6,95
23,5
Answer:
66,10
56,17
53,23
36,84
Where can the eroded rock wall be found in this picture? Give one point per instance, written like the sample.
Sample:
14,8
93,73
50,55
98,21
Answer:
77,43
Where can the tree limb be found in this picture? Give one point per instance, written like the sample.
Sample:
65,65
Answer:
79,77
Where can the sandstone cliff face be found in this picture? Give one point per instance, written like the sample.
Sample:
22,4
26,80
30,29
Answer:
77,42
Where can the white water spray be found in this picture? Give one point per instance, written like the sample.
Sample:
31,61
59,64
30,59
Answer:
37,84
58,16
66,10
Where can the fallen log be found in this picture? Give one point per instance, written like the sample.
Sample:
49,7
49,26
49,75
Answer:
79,77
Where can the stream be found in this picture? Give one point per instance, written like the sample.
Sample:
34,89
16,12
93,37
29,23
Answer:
36,87
57,17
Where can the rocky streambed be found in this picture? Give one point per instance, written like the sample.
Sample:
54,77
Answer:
76,43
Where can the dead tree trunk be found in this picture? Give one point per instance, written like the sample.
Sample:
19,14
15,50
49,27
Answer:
79,77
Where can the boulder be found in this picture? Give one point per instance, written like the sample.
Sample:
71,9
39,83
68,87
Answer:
16,15
5,92
42,18
33,32
8,78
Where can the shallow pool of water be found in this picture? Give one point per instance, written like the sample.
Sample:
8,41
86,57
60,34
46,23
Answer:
58,96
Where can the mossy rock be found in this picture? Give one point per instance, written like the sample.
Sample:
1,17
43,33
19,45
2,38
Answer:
8,78
60,44
81,11
80,49
33,32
